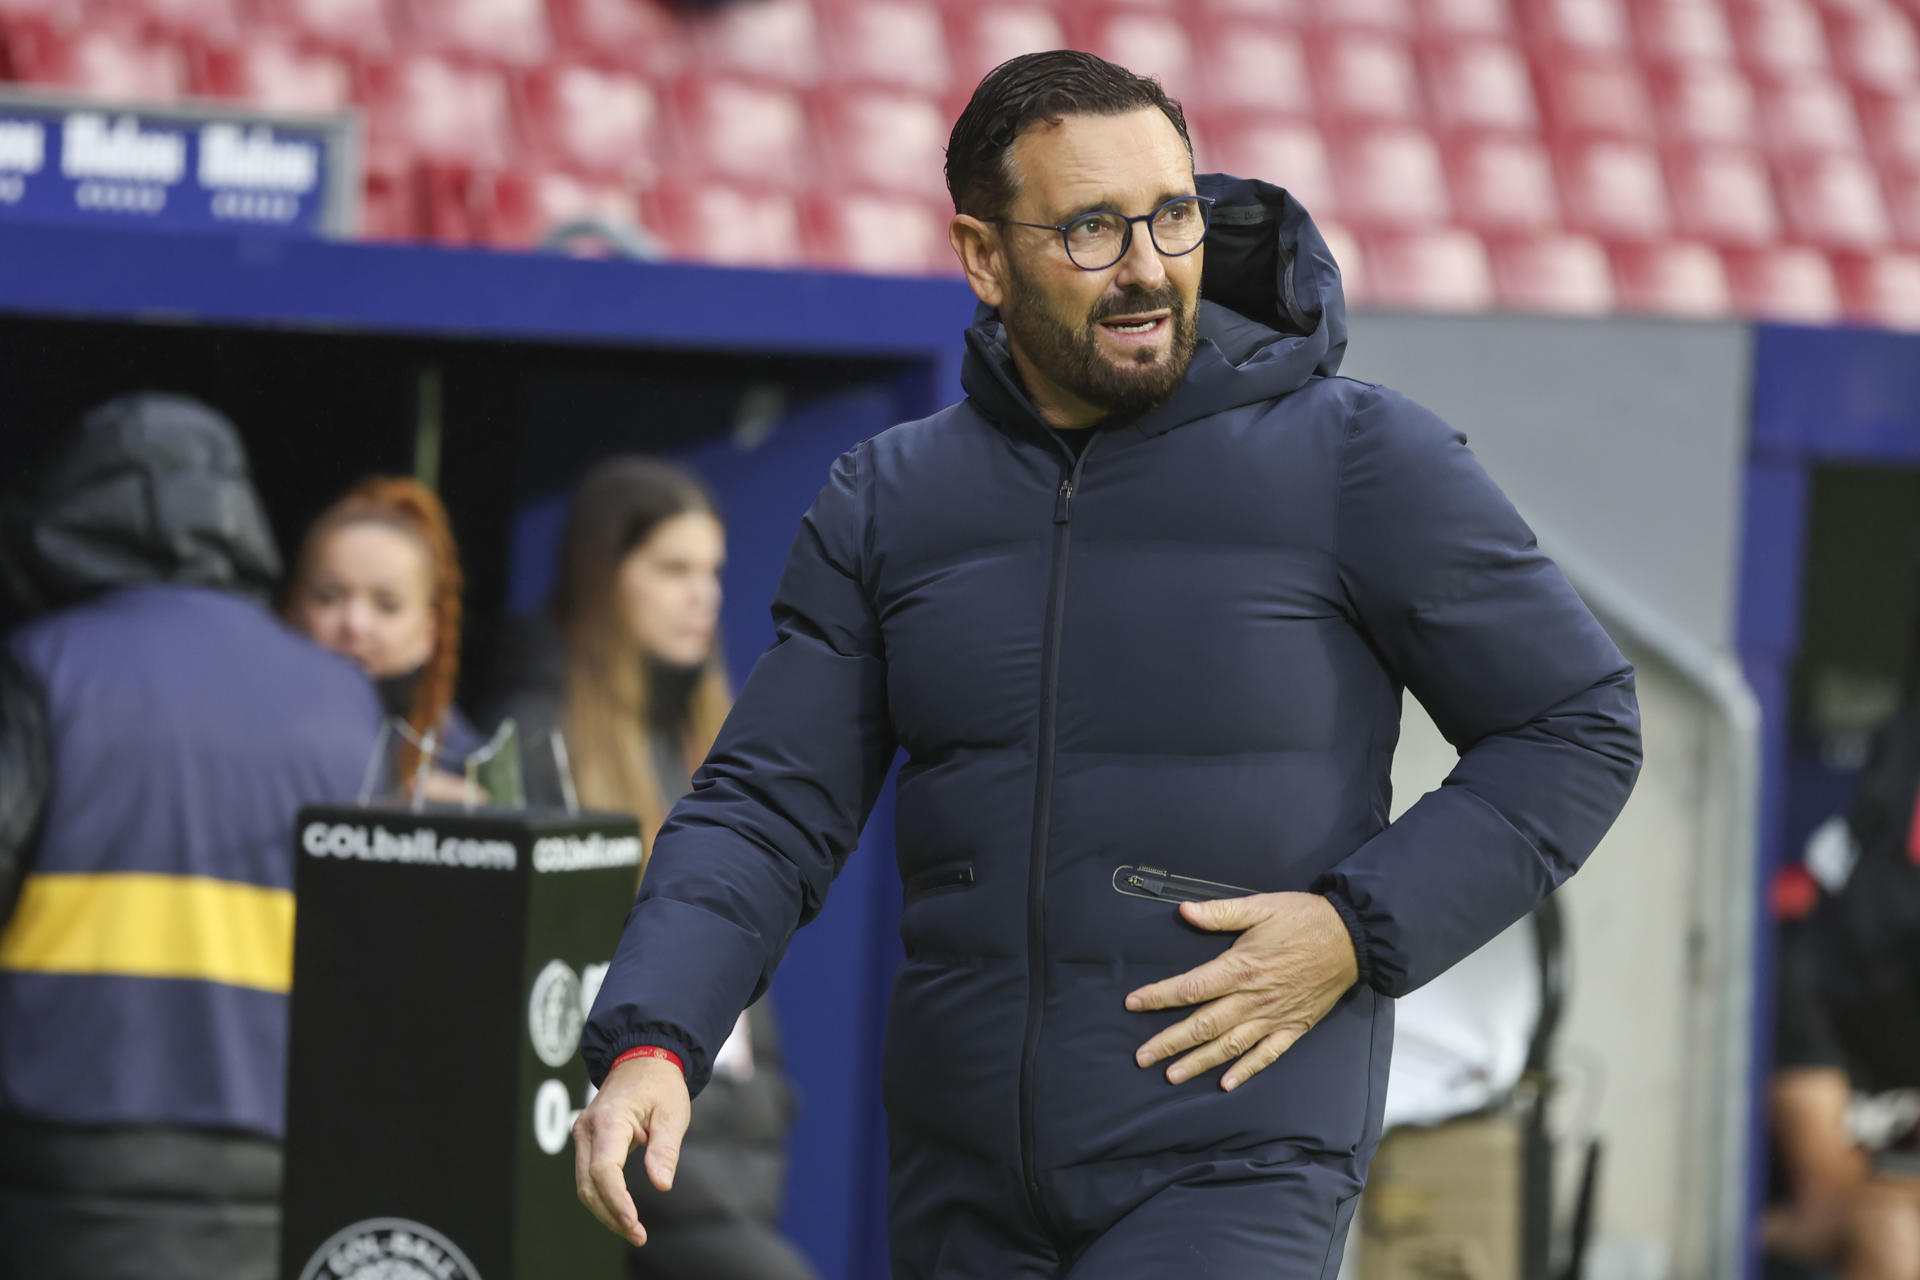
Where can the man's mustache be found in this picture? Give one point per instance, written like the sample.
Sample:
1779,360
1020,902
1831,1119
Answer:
1134,301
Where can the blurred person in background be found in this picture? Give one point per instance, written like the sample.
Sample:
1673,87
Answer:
1141,609
626,665
378,581
1845,1096
162,728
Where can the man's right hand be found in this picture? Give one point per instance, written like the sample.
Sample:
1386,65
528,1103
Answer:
643,1100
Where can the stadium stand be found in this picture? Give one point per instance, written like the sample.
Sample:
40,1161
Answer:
1680,157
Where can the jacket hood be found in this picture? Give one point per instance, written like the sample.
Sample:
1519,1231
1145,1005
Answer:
1272,315
150,488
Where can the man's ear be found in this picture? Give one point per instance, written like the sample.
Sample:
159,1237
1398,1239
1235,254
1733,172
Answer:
982,256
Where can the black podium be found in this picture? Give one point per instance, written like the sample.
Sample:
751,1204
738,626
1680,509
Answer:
443,966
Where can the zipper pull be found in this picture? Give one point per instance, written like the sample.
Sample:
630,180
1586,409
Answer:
1063,503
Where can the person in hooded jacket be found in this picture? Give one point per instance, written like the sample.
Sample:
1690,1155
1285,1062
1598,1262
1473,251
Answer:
1140,610
159,729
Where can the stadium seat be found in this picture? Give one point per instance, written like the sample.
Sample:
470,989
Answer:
878,233
1586,26
1682,32
1891,123
1706,103
1671,278
109,63
363,28
897,43
1364,76
1807,113
192,20
1779,37
770,40
1881,288
1480,85
1614,190
525,206
1902,190
642,36
1875,49
1377,15
883,141
508,32
604,124
1150,42
1466,18
1833,202
441,112
982,36
1284,152
1502,185
1557,273
1291,13
1390,179
1440,270
1793,284
746,132
1595,98
1251,67
1722,195
734,226
276,72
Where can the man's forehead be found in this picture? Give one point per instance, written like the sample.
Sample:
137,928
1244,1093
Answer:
1099,160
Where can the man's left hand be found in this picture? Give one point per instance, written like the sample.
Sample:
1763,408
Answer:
1291,963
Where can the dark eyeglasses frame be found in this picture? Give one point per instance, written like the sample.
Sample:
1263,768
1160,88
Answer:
1126,238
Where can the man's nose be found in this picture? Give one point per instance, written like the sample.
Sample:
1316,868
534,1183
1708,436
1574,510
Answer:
1141,264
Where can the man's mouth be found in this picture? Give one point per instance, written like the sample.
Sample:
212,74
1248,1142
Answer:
1140,326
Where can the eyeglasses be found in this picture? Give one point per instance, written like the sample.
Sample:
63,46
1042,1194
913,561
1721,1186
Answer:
1095,241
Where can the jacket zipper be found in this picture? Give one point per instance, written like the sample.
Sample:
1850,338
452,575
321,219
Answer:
1042,818
941,878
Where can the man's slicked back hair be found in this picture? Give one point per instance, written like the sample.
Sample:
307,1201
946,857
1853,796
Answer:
1031,89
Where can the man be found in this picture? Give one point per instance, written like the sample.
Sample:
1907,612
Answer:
159,729
1139,610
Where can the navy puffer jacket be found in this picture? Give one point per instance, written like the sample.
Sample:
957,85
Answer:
1184,651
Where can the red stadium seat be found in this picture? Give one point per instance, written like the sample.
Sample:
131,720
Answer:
1808,114
1792,284
1587,26
1672,278
1466,17
1706,103
1439,270
1287,12
878,233
1559,273
1682,32
1286,153
199,20
1503,185
606,124
898,43
1147,41
1614,190
1834,202
884,141
364,28
1252,67
1391,179
1892,125
1365,76
1379,15
1779,37
982,36
276,72
1881,288
643,36
510,32
1596,98
1875,49
1480,85
1722,195
390,204
524,207
771,40
735,226
441,112
109,63
750,133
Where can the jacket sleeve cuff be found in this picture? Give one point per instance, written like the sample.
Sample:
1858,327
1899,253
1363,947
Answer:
1362,952
649,1051
604,1052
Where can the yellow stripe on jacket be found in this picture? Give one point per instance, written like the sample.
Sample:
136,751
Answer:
152,926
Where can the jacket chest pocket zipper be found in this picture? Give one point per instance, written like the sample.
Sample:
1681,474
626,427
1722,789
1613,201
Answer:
1160,885
941,878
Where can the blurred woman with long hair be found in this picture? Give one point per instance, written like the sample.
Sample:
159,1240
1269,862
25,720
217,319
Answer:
626,665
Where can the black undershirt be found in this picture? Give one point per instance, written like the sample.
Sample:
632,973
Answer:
1078,440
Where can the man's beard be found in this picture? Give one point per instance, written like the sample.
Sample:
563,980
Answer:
1071,357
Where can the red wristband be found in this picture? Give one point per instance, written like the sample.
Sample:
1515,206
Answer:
650,1051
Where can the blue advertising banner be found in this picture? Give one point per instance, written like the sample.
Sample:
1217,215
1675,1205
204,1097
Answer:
174,168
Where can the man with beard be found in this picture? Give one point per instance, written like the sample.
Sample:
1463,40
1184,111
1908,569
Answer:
1140,610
